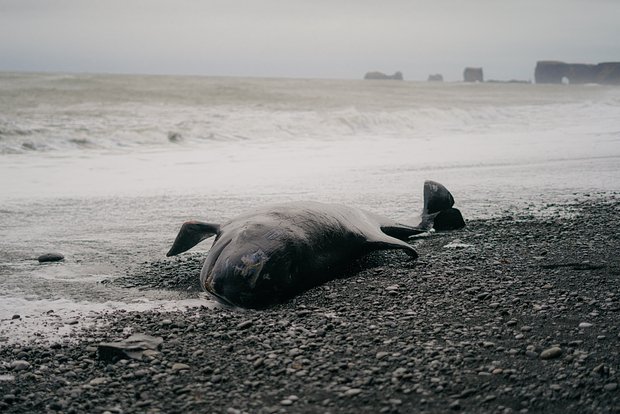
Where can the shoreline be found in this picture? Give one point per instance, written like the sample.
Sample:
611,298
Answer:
465,328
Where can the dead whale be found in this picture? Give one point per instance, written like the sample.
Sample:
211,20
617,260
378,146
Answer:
273,253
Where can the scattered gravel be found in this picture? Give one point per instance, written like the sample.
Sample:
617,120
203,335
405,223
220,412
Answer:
180,273
493,326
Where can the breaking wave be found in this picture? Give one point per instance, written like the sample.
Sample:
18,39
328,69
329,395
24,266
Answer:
148,129
124,113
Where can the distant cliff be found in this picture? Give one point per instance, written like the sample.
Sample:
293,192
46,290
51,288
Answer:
381,75
607,73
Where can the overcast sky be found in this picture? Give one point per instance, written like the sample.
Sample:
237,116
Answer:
305,38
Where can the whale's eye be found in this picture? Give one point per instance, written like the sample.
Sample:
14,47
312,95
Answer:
251,266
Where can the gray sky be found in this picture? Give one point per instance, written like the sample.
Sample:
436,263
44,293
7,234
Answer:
305,38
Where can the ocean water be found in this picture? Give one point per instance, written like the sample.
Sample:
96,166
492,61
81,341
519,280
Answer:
104,169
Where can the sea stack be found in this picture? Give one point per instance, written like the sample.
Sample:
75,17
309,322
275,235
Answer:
473,75
383,76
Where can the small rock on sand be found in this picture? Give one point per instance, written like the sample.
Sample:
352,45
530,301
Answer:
551,353
132,347
180,366
20,365
50,257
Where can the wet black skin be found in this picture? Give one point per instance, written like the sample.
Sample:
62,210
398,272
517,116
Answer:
269,255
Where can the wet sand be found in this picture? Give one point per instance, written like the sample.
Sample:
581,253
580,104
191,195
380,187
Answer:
512,314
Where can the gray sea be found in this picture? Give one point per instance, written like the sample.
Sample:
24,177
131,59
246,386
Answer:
104,168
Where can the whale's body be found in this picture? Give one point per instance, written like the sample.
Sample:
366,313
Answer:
271,254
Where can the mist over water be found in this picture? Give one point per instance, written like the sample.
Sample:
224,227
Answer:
105,168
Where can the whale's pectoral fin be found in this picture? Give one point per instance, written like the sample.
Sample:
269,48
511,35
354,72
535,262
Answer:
402,231
192,233
385,242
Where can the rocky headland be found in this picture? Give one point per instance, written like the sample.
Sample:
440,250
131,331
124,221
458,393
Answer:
607,73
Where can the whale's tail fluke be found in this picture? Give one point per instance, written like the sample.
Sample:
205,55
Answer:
436,198
449,219
438,212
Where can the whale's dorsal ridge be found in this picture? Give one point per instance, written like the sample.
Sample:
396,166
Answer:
192,233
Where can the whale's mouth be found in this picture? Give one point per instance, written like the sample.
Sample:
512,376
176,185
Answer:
217,297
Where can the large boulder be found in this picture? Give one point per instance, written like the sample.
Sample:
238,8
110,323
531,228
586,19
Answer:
473,75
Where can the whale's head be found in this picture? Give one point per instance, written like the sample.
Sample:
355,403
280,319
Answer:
242,273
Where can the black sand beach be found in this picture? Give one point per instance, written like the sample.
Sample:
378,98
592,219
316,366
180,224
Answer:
520,314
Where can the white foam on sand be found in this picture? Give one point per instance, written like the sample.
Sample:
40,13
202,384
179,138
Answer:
48,321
